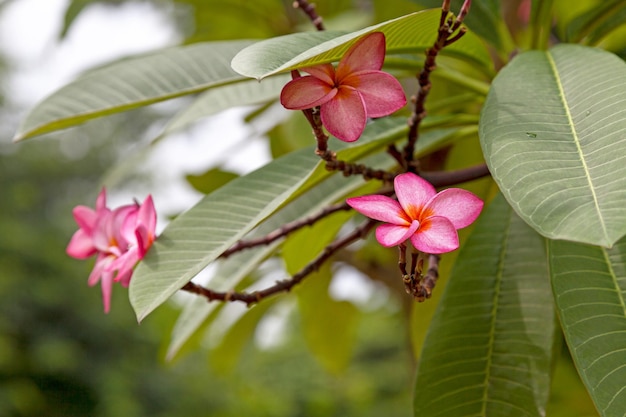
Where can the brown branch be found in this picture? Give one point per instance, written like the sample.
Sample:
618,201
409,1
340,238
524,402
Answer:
309,10
446,178
332,163
250,298
445,36
418,285
429,281
402,259
284,230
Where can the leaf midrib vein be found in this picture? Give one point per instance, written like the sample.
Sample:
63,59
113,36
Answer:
557,80
492,325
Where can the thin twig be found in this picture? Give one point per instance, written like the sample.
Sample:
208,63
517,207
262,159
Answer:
330,157
309,10
430,279
250,298
446,178
445,36
284,230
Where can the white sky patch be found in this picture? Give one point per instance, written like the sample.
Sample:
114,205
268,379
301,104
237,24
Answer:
29,32
350,284
41,63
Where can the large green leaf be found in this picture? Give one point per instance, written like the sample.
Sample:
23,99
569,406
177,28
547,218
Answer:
484,19
133,83
489,348
553,130
198,236
597,21
411,33
215,100
231,271
329,326
589,285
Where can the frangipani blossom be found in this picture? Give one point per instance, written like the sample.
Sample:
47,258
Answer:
351,93
119,238
429,219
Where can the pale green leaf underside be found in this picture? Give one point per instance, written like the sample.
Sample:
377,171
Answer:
133,83
249,92
232,270
411,33
489,347
199,235
589,285
553,130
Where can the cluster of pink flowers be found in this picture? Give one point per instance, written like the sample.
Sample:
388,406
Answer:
351,93
428,219
119,238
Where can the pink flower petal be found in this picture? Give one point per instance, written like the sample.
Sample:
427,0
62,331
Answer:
102,233
85,217
101,200
323,72
107,289
305,93
380,207
391,235
413,193
381,92
124,266
147,214
344,116
368,53
81,245
459,206
122,226
146,226
102,261
436,235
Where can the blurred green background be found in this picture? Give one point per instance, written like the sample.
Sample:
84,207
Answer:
61,356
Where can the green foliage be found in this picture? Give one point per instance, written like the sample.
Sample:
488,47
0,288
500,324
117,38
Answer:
132,83
552,131
550,127
589,290
489,349
200,235
411,33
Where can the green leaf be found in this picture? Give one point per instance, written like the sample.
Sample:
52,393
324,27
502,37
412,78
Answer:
490,345
411,33
598,20
553,131
231,271
200,235
133,83
484,19
210,180
305,244
329,326
224,357
589,285
221,98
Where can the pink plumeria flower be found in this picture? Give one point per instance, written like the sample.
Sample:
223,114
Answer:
119,238
350,94
429,219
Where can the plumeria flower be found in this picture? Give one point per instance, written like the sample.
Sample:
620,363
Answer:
119,238
429,219
351,93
